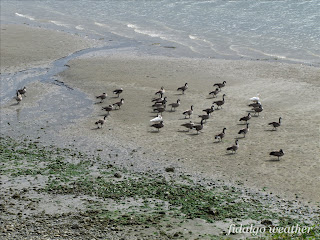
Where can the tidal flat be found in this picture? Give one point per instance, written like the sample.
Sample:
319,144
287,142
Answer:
60,193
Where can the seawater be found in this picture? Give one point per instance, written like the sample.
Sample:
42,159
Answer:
268,30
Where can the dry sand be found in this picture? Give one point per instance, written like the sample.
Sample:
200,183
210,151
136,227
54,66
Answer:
289,91
23,47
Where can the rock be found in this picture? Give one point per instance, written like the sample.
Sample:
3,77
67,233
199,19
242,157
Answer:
75,226
214,211
16,196
117,175
169,169
266,222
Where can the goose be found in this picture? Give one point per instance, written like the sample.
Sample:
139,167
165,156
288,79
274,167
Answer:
278,154
157,119
221,135
102,97
108,108
118,91
188,112
246,118
160,92
175,105
23,91
221,102
209,110
161,100
214,93
255,99
188,125
158,105
158,125
220,85
18,97
257,110
234,147
101,122
119,104
157,99
160,109
244,131
183,88
204,117
255,105
198,127
276,124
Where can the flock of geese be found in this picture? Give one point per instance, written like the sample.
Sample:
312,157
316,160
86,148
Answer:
159,104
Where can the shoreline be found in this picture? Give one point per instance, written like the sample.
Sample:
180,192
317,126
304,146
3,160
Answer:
129,142
22,38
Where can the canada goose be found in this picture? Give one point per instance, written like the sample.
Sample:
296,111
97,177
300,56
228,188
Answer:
158,105
108,108
246,118
221,102
255,104
188,125
234,147
188,112
157,99
175,105
158,125
220,85
102,97
204,117
278,154
118,91
101,122
183,88
244,131
161,100
209,110
119,104
198,127
257,110
276,124
157,119
18,97
23,91
214,92
160,92
255,99
160,109
220,135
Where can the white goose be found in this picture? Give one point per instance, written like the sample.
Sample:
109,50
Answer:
256,98
157,119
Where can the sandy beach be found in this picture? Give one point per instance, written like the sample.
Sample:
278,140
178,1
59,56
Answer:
63,113
23,47
285,91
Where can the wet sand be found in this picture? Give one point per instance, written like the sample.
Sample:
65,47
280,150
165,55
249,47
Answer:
23,47
287,91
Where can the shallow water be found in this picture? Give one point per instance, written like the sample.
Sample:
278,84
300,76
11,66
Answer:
245,29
